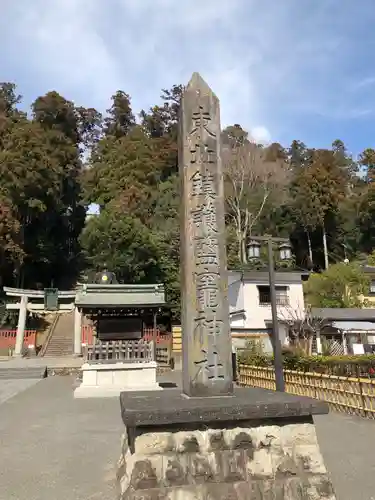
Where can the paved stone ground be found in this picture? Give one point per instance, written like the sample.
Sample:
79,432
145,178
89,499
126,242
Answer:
9,388
53,446
348,447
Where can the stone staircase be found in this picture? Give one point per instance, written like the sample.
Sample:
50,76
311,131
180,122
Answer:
60,342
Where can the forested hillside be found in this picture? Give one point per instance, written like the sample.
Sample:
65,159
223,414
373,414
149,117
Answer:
59,158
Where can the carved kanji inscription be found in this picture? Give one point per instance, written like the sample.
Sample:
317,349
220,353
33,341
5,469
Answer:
205,312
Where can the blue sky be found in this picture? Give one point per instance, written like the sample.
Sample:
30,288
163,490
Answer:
283,69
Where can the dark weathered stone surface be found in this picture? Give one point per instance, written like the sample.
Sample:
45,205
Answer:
264,462
293,489
171,407
206,342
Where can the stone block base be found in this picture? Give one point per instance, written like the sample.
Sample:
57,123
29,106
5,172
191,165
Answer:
110,379
253,460
254,445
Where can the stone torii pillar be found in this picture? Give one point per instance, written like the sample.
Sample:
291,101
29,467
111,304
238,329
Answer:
77,332
21,326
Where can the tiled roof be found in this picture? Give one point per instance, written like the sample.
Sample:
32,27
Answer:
352,314
90,295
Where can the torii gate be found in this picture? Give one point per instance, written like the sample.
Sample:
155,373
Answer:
85,298
34,301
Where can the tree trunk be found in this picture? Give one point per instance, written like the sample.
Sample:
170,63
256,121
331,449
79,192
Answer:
325,248
239,236
243,250
309,344
245,232
239,246
310,248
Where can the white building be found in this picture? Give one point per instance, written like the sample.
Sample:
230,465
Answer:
250,305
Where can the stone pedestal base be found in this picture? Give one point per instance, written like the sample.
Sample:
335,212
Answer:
110,379
274,457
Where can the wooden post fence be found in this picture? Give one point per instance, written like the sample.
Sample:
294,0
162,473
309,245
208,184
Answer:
351,395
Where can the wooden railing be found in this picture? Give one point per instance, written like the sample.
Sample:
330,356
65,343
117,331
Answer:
351,395
163,346
8,338
129,351
163,343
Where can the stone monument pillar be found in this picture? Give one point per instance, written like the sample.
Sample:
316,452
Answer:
206,341
210,441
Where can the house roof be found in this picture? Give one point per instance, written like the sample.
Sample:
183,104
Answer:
349,314
369,270
262,277
348,326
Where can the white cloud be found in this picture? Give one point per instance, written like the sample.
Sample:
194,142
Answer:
58,41
358,85
261,135
267,61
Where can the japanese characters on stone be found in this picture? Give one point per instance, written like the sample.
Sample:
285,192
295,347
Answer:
205,241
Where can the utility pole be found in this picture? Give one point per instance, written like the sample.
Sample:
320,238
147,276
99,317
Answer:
278,359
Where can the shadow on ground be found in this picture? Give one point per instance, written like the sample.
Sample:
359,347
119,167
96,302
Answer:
168,385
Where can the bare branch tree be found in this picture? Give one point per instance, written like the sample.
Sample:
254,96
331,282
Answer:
250,176
302,325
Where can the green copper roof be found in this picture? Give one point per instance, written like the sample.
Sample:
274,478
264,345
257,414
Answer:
92,295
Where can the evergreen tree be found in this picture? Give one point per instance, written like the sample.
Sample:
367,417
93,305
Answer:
120,120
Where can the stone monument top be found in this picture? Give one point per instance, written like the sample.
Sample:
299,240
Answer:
197,83
206,340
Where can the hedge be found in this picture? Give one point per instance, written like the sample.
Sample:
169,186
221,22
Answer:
336,365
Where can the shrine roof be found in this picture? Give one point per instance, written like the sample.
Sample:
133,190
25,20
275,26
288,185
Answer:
137,296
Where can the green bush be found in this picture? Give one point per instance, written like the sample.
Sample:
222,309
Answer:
348,366
254,354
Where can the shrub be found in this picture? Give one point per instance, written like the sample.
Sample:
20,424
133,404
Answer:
254,354
347,366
